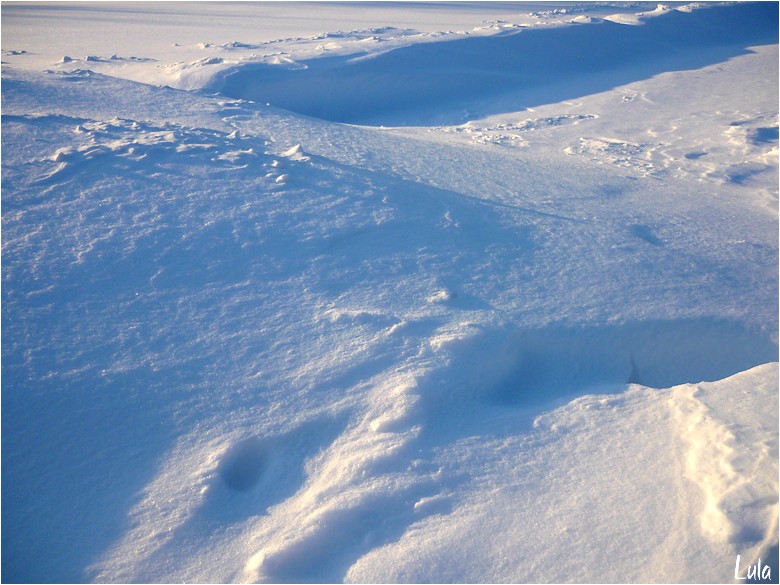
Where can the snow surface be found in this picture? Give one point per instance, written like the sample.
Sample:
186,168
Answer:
468,293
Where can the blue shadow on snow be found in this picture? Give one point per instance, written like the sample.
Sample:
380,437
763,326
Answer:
434,82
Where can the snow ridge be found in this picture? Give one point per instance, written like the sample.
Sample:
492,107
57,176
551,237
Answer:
466,77
726,473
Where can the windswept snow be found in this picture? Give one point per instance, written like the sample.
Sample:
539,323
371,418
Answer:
436,82
527,333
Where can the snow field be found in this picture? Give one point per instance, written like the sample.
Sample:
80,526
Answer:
245,344
151,44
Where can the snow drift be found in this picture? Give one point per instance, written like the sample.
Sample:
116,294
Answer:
505,72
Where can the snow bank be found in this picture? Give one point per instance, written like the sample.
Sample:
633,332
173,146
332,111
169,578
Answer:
438,81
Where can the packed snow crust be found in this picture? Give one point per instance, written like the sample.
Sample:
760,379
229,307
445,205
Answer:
520,325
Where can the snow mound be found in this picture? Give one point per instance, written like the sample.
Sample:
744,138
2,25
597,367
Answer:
600,444
296,153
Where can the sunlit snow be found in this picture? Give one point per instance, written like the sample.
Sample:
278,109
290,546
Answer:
389,292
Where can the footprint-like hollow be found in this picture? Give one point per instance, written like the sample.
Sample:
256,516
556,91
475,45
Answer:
644,232
242,466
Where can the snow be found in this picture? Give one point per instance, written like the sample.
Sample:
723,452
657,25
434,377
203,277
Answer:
426,82
323,292
554,483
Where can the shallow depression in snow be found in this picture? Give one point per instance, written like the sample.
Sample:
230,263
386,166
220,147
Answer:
243,464
539,367
558,361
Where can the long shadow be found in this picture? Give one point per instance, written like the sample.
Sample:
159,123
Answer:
660,354
435,81
540,369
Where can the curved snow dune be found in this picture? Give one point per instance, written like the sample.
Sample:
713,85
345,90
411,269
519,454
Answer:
434,82
698,446
431,481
